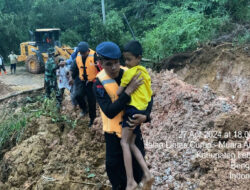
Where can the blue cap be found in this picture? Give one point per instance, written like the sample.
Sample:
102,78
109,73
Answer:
109,50
83,47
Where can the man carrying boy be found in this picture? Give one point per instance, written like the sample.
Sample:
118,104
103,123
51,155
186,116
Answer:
112,106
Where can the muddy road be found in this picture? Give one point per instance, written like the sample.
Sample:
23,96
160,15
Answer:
21,81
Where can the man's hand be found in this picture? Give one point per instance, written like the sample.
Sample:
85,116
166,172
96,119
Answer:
134,84
136,120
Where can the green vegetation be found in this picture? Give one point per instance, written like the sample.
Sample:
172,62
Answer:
245,38
164,26
12,128
13,122
182,30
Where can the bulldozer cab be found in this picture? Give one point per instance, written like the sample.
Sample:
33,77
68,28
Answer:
47,38
35,53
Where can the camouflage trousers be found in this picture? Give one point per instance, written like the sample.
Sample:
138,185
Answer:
50,86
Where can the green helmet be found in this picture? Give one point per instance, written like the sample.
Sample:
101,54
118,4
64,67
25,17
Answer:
51,51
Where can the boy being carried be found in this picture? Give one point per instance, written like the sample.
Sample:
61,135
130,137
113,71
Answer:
138,104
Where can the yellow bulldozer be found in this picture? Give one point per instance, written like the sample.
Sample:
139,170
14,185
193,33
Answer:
34,53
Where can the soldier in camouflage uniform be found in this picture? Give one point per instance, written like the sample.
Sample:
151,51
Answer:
50,78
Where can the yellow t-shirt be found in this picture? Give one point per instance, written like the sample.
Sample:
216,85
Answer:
142,96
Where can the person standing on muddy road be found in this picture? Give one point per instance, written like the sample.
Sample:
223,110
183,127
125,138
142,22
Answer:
112,110
50,78
2,66
13,61
84,68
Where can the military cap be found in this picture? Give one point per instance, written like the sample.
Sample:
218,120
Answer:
109,50
83,47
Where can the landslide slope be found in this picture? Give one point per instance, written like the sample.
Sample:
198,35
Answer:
225,68
184,142
52,155
195,137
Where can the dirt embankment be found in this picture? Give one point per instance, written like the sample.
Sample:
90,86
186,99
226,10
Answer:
196,139
53,155
224,68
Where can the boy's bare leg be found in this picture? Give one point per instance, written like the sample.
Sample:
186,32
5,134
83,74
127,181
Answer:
127,157
148,179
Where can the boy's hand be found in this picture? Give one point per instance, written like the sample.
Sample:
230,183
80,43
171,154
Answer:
134,84
136,120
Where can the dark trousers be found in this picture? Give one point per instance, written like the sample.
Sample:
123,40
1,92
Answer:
86,90
72,95
114,161
13,67
2,67
59,95
78,95
91,100
51,86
